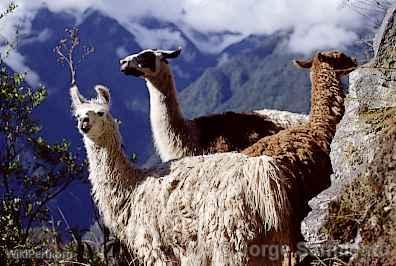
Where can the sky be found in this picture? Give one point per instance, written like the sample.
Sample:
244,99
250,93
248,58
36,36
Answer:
210,25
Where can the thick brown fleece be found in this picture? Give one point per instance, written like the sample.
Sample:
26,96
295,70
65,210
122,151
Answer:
303,152
232,131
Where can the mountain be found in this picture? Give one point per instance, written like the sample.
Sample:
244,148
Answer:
253,74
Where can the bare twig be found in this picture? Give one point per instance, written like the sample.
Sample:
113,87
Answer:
67,49
10,8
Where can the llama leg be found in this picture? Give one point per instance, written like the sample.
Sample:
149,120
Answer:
194,259
225,255
148,249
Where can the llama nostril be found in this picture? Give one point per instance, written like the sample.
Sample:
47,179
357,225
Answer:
85,127
124,65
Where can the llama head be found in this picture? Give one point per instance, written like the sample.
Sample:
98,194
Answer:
338,61
148,62
93,115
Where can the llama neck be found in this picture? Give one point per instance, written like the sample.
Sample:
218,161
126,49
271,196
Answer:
327,100
112,176
171,132
107,160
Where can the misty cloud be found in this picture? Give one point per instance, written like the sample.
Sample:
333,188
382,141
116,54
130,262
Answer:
320,36
17,62
210,25
239,18
155,38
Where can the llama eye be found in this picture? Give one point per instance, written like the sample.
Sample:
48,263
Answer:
100,113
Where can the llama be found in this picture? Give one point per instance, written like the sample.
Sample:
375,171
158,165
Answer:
303,152
203,210
176,137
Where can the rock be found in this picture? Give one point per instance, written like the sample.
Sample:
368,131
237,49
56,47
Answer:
372,93
383,44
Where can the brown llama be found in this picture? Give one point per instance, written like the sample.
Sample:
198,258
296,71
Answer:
175,136
303,152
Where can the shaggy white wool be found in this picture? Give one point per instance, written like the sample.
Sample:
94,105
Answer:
207,203
202,209
284,119
167,123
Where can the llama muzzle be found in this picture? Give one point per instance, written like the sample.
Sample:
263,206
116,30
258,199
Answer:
129,67
85,126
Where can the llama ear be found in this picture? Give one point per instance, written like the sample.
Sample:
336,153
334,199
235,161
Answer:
103,94
76,97
171,54
321,57
303,63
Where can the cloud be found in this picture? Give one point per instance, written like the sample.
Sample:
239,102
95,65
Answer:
152,38
223,59
37,37
323,36
121,52
17,62
212,25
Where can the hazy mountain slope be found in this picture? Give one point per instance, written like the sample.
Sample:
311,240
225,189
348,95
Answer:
256,73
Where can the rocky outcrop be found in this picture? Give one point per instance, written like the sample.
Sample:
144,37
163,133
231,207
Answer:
362,156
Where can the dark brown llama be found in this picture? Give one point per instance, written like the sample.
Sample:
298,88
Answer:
175,136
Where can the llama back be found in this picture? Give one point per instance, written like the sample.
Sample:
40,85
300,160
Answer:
232,131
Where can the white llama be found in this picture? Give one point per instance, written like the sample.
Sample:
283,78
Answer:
204,210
